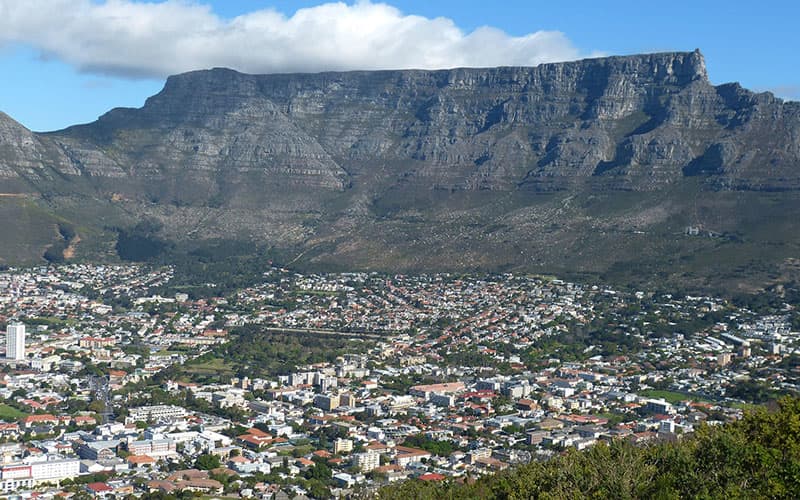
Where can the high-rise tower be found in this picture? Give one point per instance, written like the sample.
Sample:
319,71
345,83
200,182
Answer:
15,342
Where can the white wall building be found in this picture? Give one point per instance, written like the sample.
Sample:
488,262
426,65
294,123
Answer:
45,364
15,342
367,461
26,474
155,413
343,446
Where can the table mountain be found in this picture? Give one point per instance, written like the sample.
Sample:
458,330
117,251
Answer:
628,166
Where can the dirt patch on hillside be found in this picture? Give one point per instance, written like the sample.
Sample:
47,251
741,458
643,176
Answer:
69,252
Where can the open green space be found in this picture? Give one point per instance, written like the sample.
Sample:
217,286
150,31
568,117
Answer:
256,352
671,396
10,413
208,367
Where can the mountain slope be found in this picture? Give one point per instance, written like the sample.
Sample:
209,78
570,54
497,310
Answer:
591,166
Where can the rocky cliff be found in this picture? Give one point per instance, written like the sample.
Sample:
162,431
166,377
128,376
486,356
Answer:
472,168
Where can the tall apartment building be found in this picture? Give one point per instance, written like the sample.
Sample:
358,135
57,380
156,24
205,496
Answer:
15,342
367,461
343,446
327,402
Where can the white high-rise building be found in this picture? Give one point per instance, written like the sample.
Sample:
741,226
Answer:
15,342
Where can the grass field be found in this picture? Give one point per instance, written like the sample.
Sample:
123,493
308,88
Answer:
213,367
744,406
670,396
10,413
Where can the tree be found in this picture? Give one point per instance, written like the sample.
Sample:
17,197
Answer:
318,489
319,471
207,461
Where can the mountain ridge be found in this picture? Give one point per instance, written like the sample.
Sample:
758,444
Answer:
467,168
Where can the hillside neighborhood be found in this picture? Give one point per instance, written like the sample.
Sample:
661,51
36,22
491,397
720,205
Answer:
116,383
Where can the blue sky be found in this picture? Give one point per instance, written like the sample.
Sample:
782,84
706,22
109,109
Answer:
59,72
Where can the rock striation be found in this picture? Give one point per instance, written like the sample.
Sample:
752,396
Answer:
635,122
297,159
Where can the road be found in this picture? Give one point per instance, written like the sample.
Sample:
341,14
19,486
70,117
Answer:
360,335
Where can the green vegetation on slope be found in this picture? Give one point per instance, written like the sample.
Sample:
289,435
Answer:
255,352
757,457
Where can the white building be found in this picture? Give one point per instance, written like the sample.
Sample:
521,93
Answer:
45,364
15,342
155,448
367,461
658,406
343,446
155,413
26,474
54,470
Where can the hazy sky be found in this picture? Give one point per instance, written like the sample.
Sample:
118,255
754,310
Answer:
68,61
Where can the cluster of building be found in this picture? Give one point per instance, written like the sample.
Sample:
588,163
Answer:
461,376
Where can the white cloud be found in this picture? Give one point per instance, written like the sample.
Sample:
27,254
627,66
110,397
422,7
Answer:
129,38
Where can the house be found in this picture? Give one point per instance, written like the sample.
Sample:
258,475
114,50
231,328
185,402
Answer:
99,489
162,486
490,463
527,405
201,485
140,461
187,474
344,480
82,420
34,420
257,440
9,430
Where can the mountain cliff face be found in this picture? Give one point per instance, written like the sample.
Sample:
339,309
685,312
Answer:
556,166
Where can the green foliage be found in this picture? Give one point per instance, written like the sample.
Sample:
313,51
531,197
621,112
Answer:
99,477
207,461
10,413
440,448
215,268
753,390
318,489
140,243
257,353
757,457
319,471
